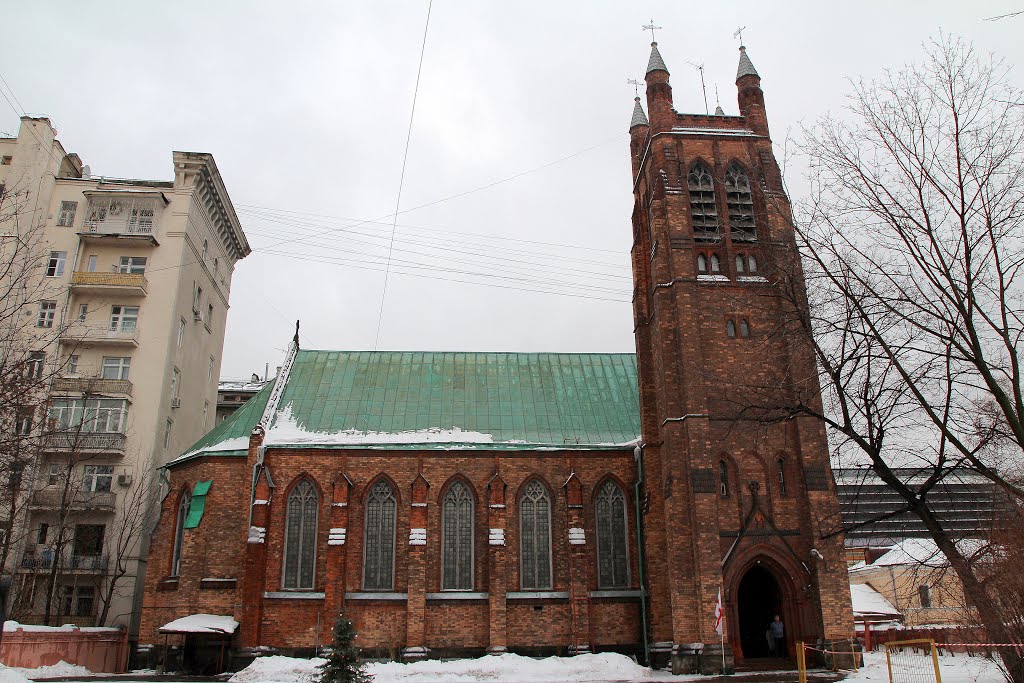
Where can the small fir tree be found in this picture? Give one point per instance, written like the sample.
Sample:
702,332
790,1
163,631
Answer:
343,664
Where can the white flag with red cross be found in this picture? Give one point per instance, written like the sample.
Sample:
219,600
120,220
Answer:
719,613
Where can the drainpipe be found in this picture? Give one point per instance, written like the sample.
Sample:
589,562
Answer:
638,453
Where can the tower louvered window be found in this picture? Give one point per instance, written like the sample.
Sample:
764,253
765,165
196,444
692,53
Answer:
740,201
379,552
535,537
457,538
612,556
300,537
703,211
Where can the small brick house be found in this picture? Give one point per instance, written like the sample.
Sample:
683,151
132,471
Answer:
462,503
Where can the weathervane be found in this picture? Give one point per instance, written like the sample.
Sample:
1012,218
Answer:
739,34
636,85
700,68
652,28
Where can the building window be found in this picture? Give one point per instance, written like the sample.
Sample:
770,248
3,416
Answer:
124,318
781,474
66,217
716,264
702,264
132,264
751,264
44,528
91,263
167,433
78,601
88,540
97,478
115,367
300,536
55,266
925,594
744,328
23,422
93,415
723,479
47,309
612,555
72,366
703,212
53,476
206,248
6,160
35,364
379,551
457,538
83,311
739,263
740,201
175,384
209,370
535,537
209,315
181,332
179,532
197,298
206,412
730,329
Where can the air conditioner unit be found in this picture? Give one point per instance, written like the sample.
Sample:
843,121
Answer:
124,480
175,402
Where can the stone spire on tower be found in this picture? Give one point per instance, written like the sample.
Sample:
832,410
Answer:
639,117
656,63
746,67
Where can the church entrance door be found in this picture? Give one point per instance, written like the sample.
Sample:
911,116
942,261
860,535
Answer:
759,599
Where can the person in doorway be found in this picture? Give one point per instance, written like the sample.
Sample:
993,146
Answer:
771,640
778,631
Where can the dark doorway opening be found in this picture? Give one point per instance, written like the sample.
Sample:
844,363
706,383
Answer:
759,600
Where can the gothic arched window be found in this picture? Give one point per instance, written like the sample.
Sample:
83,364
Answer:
723,478
782,476
744,328
740,202
739,263
702,263
457,538
612,554
716,264
730,329
751,264
535,537
379,542
300,524
179,532
703,211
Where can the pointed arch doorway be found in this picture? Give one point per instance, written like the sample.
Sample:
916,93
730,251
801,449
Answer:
759,598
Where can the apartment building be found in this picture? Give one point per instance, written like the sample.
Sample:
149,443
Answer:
126,320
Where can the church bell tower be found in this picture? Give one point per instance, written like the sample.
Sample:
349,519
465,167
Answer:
739,507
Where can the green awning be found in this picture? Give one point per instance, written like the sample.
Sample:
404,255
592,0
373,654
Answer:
198,504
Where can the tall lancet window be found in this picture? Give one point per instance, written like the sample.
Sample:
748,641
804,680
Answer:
300,536
740,201
703,211
379,545
612,555
457,538
535,537
179,532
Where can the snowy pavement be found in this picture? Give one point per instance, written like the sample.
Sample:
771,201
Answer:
510,668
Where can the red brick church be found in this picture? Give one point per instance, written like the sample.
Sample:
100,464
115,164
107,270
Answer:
462,503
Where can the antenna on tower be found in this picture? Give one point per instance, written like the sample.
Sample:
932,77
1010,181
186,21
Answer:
636,85
700,68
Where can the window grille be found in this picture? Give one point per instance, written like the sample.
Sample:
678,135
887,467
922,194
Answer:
130,214
457,538
66,217
612,554
703,212
179,533
740,202
379,553
300,536
535,537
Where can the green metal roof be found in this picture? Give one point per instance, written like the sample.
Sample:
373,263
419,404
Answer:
394,400
234,430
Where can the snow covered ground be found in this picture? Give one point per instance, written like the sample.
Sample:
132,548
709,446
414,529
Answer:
12,674
958,669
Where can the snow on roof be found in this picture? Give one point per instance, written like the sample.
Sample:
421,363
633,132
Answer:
287,431
866,600
11,625
240,385
919,552
201,623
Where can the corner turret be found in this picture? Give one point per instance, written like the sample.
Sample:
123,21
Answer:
638,130
751,97
659,92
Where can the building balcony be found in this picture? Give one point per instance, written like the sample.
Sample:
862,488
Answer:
78,563
84,442
125,284
80,335
92,385
52,499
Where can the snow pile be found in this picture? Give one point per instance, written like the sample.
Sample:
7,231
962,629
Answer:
10,675
58,670
201,623
953,669
286,430
11,626
506,667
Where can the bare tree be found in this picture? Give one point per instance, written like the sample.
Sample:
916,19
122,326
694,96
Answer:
913,240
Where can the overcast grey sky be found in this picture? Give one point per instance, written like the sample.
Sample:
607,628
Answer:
305,107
